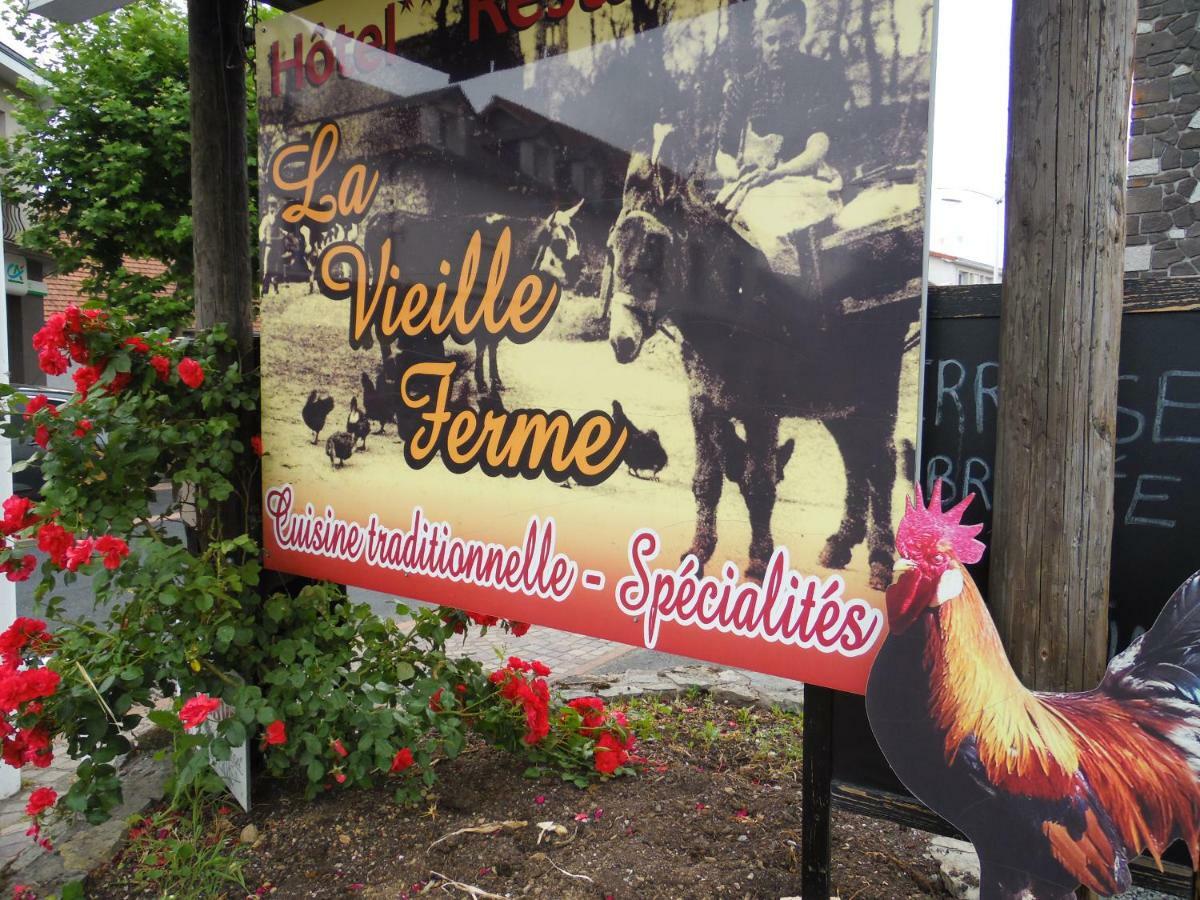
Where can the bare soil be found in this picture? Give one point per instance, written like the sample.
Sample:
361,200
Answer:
714,812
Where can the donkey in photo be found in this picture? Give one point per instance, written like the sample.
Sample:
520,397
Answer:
756,349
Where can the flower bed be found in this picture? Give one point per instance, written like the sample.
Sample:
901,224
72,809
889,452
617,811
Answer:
715,813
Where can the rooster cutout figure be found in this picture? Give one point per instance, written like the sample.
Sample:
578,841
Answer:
1055,790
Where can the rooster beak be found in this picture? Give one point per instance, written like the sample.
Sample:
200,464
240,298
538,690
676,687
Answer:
902,566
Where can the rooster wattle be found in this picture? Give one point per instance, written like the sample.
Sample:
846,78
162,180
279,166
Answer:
1054,790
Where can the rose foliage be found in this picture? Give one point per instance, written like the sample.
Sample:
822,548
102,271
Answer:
316,684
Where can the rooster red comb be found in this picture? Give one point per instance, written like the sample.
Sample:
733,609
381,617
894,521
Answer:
923,528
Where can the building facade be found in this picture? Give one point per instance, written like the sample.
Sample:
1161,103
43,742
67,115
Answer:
25,270
1163,201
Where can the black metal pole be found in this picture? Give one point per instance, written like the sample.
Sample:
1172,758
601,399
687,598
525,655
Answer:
817,787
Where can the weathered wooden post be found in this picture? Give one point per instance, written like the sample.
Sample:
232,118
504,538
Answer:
220,193
1060,332
220,203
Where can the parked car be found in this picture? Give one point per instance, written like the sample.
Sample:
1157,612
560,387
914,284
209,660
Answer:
27,481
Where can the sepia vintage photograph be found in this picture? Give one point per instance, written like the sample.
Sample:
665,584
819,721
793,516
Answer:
720,208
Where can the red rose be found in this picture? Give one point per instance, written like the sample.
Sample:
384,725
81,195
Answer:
52,335
79,352
609,754
20,633
162,366
119,383
537,712
85,378
435,702
256,445
519,629
276,734
80,554
540,668
587,706
35,746
35,405
339,777
518,665
340,750
197,710
22,571
16,514
592,711
137,344
41,800
55,541
113,549
41,436
25,685
52,362
190,372
82,429
73,319
481,619
402,760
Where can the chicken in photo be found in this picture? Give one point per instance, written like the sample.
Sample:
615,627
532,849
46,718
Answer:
339,448
377,404
643,450
1055,790
358,425
316,410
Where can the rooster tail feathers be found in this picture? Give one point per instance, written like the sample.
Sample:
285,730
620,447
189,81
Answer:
1164,663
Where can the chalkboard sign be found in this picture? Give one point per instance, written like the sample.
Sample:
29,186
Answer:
1158,444
1157,498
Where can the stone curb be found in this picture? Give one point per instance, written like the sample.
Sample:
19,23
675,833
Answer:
723,684
82,847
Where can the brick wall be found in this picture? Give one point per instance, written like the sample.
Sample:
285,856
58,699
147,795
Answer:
1163,201
63,290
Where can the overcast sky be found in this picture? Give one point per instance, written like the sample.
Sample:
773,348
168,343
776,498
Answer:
970,122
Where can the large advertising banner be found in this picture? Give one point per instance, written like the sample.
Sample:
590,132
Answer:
599,314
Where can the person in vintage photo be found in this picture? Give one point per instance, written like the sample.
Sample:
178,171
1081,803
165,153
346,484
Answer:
773,153
268,224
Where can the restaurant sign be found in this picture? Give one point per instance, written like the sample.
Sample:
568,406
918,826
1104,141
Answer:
599,314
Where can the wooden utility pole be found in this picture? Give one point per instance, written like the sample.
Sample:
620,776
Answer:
221,210
1060,327
220,193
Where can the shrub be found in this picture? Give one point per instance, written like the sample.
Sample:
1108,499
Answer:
320,685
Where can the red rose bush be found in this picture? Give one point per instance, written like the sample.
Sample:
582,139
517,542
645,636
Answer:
322,686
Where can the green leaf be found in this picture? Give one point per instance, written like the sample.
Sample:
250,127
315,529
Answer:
164,719
277,608
315,771
286,651
235,732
